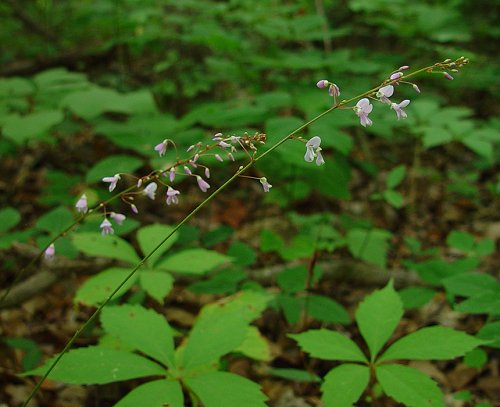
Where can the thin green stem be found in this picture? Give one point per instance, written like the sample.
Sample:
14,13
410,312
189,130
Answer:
241,170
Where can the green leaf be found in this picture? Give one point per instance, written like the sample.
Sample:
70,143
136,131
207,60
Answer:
9,217
378,316
435,136
393,198
370,245
149,237
343,385
115,164
98,365
255,345
23,128
476,358
486,303
481,147
470,284
242,254
395,176
329,345
491,332
326,310
460,240
193,261
156,283
31,350
409,386
159,393
293,279
270,241
222,389
98,288
295,375
141,328
56,220
432,343
114,247
415,297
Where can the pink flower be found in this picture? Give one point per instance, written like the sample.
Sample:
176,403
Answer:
231,157
403,68
207,172
50,252
112,181
334,90
385,93
187,170
81,205
265,185
172,196
323,83
117,217
398,108
217,137
204,185
448,76
417,89
150,190
171,175
396,75
106,227
134,208
218,158
312,147
161,148
223,144
363,108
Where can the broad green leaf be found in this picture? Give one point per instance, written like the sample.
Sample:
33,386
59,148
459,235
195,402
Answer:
98,365
327,310
255,345
343,385
415,297
370,245
242,254
480,147
193,261
114,247
491,332
293,279
115,164
156,283
56,220
89,104
223,389
409,386
393,198
378,316
295,375
9,217
159,393
486,303
98,288
292,306
395,176
23,128
270,241
476,358
432,343
150,236
470,284
141,328
329,345
460,240
435,136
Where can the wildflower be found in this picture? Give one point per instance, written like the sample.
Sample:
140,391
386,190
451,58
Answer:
134,208
187,170
385,93
112,181
313,150
334,90
398,108
363,109
417,89
172,196
50,252
171,174
161,148
396,75
139,182
322,84
195,158
448,76
106,227
204,185
217,137
117,217
150,190
190,148
231,157
81,205
223,144
207,172
218,158
403,68
266,185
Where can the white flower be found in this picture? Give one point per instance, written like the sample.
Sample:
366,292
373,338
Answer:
363,108
150,190
398,108
112,181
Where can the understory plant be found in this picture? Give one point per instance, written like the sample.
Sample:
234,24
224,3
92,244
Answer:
194,367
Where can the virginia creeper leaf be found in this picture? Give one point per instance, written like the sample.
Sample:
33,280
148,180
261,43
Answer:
343,385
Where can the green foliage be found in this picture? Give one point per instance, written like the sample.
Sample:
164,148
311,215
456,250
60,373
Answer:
377,318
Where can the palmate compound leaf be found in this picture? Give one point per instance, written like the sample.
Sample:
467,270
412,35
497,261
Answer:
98,365
329,345
409,386
193,261
343,385
94,244
377,317
156,283
159,393
225,325
141,328
150,236
436,342
223,389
